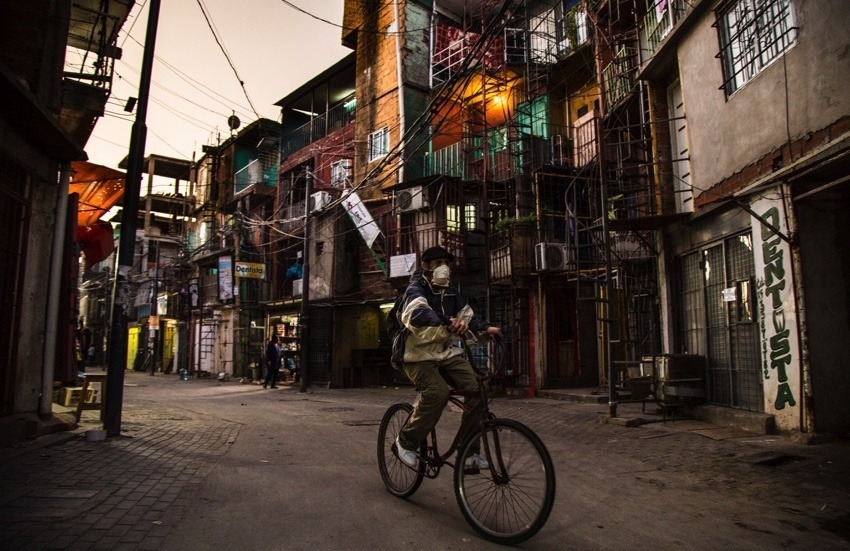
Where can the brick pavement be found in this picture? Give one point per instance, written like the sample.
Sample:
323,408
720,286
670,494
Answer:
131,492
123,493
695,464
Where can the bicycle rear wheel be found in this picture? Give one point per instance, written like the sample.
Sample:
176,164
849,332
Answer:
400,480
510,501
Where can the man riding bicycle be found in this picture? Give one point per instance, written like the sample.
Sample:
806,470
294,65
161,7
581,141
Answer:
435,316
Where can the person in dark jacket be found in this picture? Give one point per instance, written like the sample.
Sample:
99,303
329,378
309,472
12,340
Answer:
272,362
435,316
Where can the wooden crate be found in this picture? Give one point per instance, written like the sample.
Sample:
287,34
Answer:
69,396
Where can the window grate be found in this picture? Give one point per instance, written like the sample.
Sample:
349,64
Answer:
753,34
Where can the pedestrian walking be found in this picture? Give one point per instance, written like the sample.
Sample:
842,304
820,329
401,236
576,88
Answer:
272,362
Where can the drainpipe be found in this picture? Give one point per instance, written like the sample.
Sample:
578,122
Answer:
399,74
807,410
45,407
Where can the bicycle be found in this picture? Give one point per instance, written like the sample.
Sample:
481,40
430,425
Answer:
506,502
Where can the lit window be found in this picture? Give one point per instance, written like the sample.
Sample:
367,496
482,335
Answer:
469,216
753,34
379,143
452,218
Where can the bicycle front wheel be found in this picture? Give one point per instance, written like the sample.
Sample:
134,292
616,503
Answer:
510,501
399,479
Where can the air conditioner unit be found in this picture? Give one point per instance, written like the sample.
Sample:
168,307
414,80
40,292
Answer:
411,199
319,200
552,257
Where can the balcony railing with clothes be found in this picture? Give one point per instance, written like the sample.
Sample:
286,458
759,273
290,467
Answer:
659,20
619,76
337,117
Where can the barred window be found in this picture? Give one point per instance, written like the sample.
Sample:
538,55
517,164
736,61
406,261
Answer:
753,34
379,144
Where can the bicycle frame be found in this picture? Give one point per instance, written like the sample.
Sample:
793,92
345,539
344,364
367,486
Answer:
434,460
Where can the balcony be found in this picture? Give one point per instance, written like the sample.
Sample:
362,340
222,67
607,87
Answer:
335,118
447,161
619,76
657,24
512,252
259,171
573,32
584,135
292,218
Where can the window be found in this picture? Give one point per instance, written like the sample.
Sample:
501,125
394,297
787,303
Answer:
452,218
753,34
341,173
469,216
379,143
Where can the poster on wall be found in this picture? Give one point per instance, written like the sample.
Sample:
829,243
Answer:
225,278
777,309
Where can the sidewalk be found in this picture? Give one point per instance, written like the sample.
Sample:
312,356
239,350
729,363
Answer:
62,492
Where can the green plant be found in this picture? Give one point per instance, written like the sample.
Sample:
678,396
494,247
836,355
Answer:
506,223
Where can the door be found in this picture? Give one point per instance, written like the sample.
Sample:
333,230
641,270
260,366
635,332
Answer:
718,320
318,355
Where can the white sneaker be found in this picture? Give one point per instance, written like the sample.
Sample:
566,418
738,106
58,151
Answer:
476,462
407,457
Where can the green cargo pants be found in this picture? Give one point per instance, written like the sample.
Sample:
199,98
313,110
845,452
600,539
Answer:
434,395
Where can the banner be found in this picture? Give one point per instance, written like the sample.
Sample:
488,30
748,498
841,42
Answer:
361,217
225,278
777,310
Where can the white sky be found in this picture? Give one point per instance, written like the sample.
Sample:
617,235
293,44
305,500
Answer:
274,48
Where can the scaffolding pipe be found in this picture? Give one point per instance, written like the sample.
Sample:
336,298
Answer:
45,407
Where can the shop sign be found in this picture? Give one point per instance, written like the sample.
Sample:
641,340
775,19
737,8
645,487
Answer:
777,309
361,217
252,270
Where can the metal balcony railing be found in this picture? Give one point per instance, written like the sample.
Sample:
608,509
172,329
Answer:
335,118
659,20
259,171
448,161
619,77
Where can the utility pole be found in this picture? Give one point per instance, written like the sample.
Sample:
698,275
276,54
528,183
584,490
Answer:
303,322
239,334
120,291
153,319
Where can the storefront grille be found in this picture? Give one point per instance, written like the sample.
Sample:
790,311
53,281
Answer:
718,320
14,220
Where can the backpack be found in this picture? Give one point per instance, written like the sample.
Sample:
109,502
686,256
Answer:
397,332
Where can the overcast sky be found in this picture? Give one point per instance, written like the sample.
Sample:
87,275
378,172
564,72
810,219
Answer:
273,47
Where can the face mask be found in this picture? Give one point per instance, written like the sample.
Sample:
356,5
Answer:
440,276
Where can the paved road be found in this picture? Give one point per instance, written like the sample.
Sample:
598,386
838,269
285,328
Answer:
209,465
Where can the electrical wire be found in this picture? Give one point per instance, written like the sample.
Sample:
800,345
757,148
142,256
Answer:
227,56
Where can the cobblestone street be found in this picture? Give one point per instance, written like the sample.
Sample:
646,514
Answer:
174,477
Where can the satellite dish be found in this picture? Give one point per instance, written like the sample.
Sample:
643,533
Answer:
233,122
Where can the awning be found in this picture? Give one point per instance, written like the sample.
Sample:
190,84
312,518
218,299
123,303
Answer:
99,187
96,241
